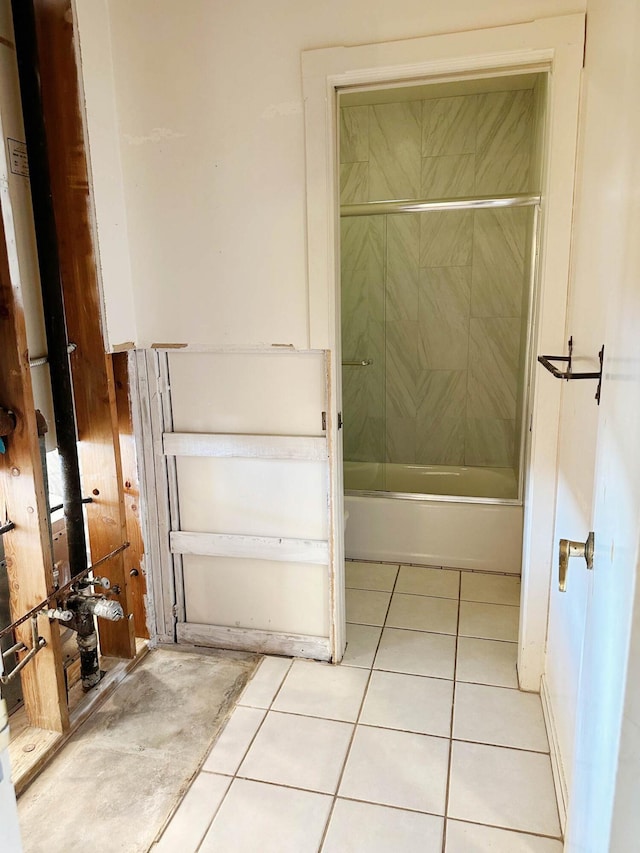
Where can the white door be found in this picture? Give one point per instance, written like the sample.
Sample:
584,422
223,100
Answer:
574,519
579,420
599,461
603,807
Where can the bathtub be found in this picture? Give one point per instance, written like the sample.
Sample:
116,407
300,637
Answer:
436,515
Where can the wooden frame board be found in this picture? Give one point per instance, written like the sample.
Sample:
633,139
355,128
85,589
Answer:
92,369
27,546
250,547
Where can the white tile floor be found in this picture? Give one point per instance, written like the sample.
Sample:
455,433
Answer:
419,741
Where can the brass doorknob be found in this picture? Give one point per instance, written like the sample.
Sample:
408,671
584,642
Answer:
569,548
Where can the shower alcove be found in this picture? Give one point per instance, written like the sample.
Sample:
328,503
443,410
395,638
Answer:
439,209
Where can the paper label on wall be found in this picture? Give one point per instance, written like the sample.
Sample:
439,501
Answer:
18,161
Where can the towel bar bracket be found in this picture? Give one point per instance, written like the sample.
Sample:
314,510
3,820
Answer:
568,374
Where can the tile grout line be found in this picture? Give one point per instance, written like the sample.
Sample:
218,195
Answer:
483,572
384,729
199,772
357,721
453,708
410,809
244,755
528,832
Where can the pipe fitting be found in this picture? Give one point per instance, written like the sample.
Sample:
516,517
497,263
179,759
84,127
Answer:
106,609
60,615
87,643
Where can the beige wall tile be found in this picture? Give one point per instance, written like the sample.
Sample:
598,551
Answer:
395,150
446,238
354,183
354,134
402,267
362,244
490,442
448,176
449,126
443,317
401,368
499,240
400,440
440,432
494,344
503,142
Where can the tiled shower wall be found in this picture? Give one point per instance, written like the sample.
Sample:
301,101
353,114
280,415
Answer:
436,300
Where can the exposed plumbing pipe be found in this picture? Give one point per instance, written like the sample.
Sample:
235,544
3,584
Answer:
52,295
84,608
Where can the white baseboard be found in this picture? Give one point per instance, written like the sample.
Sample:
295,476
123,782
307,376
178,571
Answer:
559,780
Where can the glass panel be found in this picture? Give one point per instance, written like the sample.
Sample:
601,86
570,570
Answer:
437,302
437,305
363,349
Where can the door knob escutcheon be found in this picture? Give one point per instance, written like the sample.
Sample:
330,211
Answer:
569,548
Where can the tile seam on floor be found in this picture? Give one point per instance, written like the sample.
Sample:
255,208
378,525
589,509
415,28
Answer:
244,755
434,595
453,708
199,771
357,722
445,633
505,828
438,568
498,745
213,816
417,594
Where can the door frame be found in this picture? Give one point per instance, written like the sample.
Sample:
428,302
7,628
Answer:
552,45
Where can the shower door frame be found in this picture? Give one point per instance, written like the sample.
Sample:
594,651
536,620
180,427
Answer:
554,46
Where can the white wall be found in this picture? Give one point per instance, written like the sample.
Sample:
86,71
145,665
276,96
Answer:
105,170
210,128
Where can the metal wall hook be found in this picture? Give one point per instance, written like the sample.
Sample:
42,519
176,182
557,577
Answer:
568,374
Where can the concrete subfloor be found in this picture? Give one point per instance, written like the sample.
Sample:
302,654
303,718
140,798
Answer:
116,782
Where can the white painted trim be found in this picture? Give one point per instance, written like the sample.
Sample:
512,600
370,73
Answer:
337,605
172,482
141,424
300,447
314,551
154,490
559,780
554,45
252,640
233,349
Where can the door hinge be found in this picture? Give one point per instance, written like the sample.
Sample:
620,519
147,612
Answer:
339,420
175,611
324,421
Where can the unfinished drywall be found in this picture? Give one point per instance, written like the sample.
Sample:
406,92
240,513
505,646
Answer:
105,168
254,394
210,130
